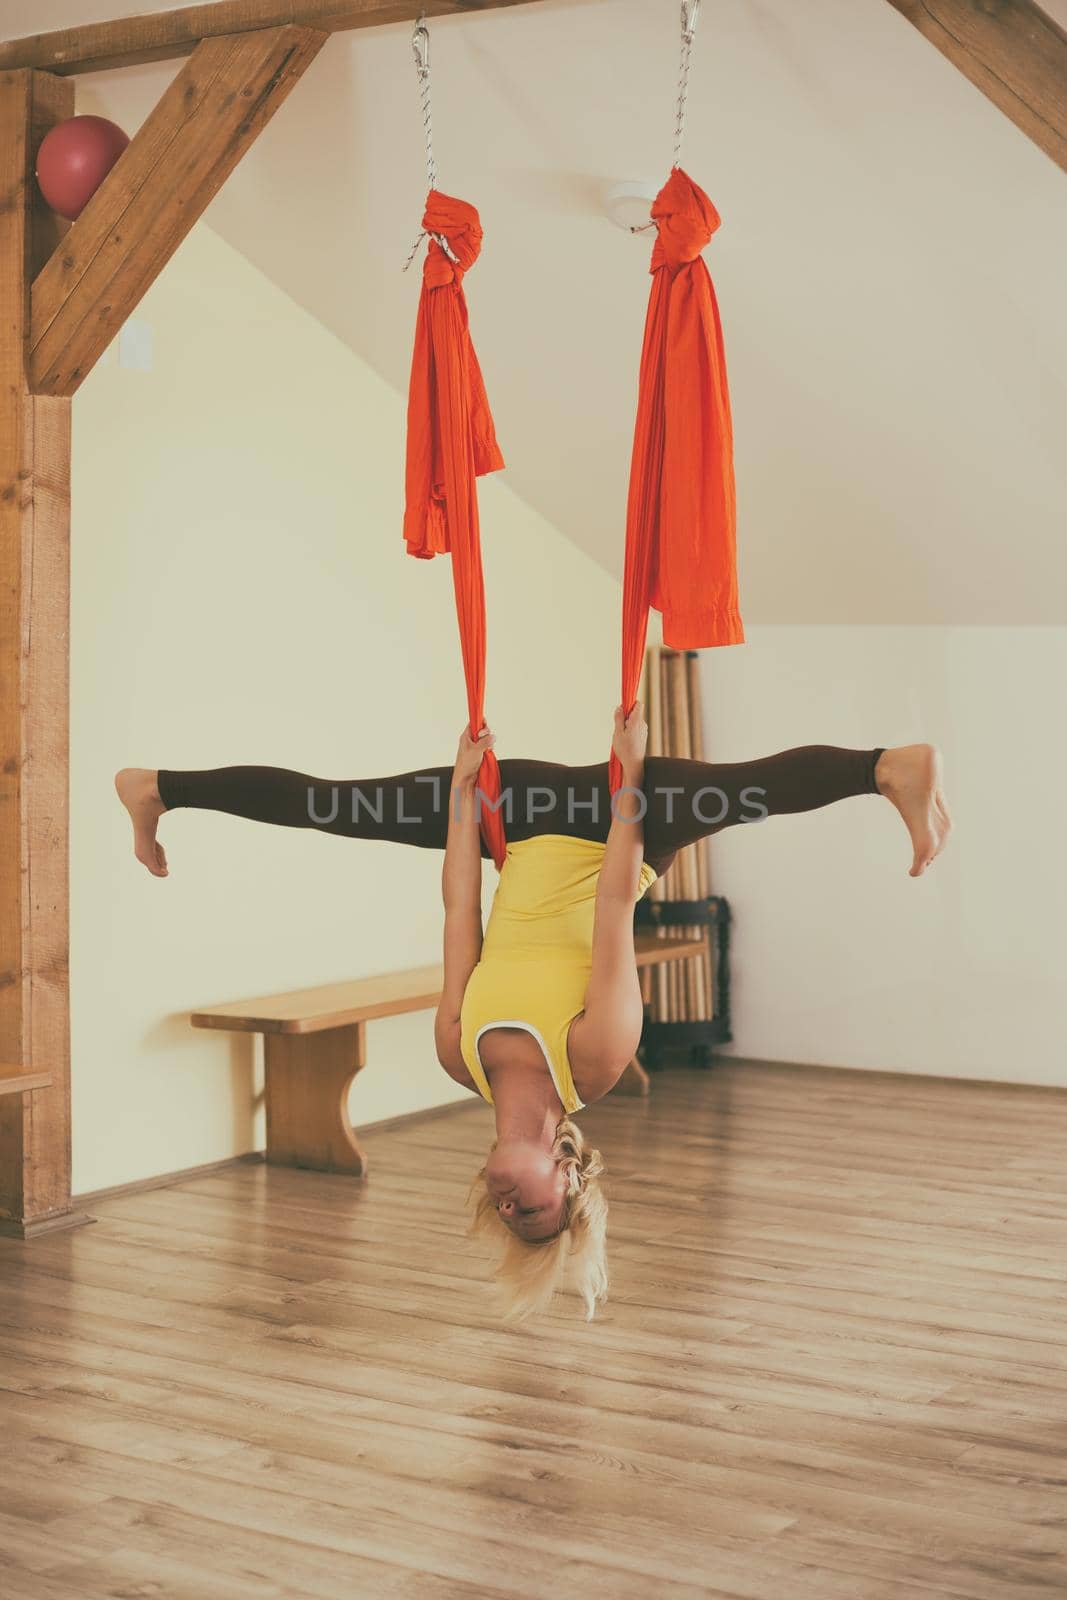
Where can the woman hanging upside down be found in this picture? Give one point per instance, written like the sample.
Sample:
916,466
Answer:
542,1012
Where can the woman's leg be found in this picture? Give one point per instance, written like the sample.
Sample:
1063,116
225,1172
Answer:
406,808
410,807
688,800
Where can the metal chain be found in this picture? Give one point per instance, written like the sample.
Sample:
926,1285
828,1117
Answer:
689,22
420,45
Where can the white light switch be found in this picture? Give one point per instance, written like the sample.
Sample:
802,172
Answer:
136,346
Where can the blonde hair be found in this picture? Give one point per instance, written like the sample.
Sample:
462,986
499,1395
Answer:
530,1271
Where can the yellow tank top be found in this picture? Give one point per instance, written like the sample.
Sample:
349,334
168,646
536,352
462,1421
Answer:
537,953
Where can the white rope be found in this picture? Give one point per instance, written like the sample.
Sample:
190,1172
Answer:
420,45
689,22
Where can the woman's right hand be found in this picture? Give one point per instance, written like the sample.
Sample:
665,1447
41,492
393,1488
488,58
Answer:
631,737
470,753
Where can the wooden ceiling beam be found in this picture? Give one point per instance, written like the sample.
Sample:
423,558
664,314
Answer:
168,35
1011,50
213,111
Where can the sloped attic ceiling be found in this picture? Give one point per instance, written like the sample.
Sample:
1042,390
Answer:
890,272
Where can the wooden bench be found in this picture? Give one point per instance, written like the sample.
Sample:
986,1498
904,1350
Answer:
314,1043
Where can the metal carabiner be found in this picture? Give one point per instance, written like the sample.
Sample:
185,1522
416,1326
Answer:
420,45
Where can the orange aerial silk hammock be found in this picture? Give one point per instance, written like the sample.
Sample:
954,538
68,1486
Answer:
681,544
451,442
680,523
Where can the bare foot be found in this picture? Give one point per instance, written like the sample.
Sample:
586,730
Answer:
136,788
910,776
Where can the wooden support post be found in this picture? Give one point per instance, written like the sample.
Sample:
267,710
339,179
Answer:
85,282
217,106
34,665
308,1076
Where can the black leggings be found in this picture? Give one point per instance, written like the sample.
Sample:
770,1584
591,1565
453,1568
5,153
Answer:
686,800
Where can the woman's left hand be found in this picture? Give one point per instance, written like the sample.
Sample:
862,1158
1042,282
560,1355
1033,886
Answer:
470,753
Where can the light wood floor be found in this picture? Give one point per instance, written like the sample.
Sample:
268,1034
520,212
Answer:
834,1367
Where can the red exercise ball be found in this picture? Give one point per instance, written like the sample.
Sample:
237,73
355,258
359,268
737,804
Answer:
74,159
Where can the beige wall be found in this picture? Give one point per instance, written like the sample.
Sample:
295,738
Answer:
839,956
241,595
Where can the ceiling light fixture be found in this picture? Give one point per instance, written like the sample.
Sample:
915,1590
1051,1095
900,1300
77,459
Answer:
627,205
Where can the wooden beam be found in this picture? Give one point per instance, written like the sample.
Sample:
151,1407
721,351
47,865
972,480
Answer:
34,612
217,106
168,35
1011,50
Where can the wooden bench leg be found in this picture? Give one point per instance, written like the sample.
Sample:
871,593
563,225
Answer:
308,1076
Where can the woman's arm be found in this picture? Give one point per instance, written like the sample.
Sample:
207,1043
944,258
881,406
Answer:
603,1039
461,890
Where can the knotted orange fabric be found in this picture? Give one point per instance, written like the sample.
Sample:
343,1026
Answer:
451,441
681,554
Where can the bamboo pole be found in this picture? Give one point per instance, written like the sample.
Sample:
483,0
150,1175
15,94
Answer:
696,735
695,999
654,707
644,976
677,720
671,689
696,750
675,977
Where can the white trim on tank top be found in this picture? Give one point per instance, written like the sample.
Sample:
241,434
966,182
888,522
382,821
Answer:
526,1027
